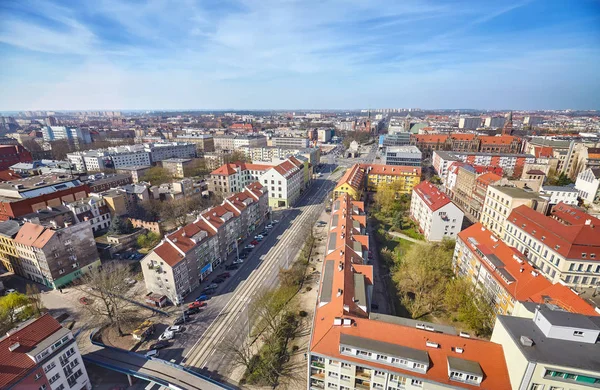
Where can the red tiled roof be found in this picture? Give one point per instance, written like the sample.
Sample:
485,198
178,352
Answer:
28,233
286,168
462,136
392,170
543,151
433,198
341,304
497,140
8,175
16,364
225,169
241,126
168,253
571,241
354,177
488,178
431,138
571,215
526,286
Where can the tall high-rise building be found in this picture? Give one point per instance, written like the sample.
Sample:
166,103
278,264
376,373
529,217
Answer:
508,124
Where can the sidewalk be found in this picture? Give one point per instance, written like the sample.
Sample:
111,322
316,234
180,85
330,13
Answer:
405,237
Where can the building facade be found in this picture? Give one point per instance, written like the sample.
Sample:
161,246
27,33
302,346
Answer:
290,142
42,355
285,182
409,156
434,212
588,185
75,135
92,209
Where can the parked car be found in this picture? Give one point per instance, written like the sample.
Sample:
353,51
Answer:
238,261
242,255
273,222
259,237
153,353
269,226
192,310
175,328
224,275
218,280
199,301
180,320
166,336
264,233
212,286
232,267
84,301
160,345
249,247
254,242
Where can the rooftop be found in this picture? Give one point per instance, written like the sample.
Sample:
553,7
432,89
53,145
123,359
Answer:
515,192
433,198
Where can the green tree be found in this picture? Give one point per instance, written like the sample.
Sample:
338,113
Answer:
11,310
422,276
157,176
235,156
120,225
148,240
470,306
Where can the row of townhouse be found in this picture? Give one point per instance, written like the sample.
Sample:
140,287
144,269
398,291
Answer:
371,177
550,340
354,348
285,179
177,265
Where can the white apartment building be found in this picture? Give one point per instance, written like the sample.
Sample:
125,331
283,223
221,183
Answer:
437,216
42,355
588,185
290,142
556,194
553,350
501,200
166,150
92,209
565,246
285,182
234,142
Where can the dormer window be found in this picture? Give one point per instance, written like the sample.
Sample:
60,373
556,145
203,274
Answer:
578,333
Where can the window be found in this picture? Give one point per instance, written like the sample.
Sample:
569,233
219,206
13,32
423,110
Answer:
379,373
417,383
43,387
346,365
536,386
578,333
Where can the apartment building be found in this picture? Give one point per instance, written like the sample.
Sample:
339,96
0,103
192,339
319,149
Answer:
112,158
285,182
270,153
136,172
92,209
409,156
8,252
379,176
177,265
24,196
102,182
75,135
204,142
506,276
469,123
41,354
434,212
290,142
510,163
178,167
501,200
564,246
231,178
234,142
166,150
353,348
553,350
588,185
556,194
13,154
565,151
351,183
56,255
499,144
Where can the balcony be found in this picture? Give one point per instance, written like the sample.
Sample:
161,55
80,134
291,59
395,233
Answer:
362,385
316,385
363,374
318,364
318,375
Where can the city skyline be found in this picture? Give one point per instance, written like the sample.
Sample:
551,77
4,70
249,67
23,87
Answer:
149,56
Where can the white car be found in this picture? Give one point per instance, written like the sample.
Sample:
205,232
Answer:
166,336
259,237
174,328
273,222
238,261
151,354
249,246
269,226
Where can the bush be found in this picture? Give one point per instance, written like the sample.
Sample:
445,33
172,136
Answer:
295,348
302,313
308,289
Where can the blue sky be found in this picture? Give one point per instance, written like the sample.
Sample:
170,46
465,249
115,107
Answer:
278,54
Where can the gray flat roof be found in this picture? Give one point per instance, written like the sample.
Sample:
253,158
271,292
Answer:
464,365
559,188
495,260
409,322
360,290
565,318
395,350
551,351
327,285
332,242
9,228
515,192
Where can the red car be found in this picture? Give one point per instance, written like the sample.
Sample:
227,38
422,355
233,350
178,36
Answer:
254,242
197,304
84,301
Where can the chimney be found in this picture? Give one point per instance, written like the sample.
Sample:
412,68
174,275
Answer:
588,222
14,346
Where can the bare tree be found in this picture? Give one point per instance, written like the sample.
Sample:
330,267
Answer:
106,287
33,293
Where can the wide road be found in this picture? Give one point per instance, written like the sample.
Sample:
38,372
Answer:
208,355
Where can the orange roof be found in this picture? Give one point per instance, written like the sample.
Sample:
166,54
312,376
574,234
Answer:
29,233
528,284
462,136
342,266
431,138
571,241
433,198
497,140
225,169
17,364
488,178
393,170
354,177
543,151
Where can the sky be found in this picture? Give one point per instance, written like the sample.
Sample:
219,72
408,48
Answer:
304,54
